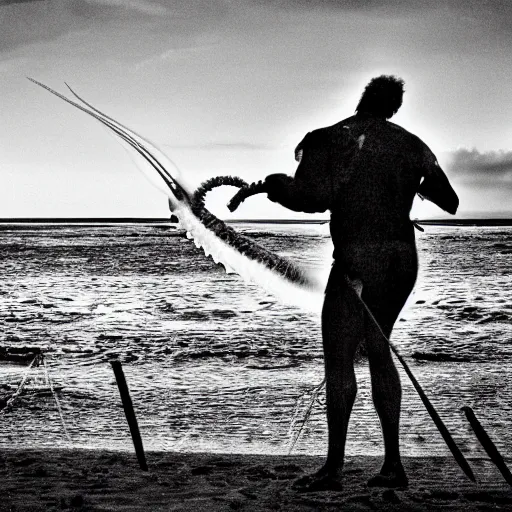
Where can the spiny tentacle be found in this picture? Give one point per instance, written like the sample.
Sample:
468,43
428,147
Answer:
243,244
205,187
251,190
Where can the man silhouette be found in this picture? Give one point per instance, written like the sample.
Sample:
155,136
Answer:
366,171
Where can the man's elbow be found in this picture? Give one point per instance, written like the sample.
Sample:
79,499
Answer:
449,204
301,204
450,201
441,194
300,199
294,195
313,207
454,205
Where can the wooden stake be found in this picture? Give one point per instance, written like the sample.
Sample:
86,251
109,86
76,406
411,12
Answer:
130,413
487,443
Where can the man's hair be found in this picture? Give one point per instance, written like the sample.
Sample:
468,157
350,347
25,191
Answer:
382,97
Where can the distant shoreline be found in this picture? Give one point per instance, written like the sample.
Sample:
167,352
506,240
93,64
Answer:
85,220
137,220
465,222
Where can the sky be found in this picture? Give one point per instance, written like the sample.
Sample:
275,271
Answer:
229,87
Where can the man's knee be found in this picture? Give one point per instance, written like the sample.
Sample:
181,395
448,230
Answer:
385,380
389,395
341,390
341,313
379,353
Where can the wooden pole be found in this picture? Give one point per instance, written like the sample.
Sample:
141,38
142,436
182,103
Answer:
487,443
450,442
130,413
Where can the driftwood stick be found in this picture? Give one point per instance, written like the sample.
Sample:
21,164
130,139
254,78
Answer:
130,413
487,444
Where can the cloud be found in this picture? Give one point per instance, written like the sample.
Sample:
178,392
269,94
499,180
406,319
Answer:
187,50
39,22
9,2
359,5
25,23
229,145
498,6
493,17
483,167
143,6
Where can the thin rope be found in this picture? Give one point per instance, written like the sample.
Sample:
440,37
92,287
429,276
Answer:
18,391
49,381
314,396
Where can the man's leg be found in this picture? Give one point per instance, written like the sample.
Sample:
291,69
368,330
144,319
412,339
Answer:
385,298
387,395
342,331
389,277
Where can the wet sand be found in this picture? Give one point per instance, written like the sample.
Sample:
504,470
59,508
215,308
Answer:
89,480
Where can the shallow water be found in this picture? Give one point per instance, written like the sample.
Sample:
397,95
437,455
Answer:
216,364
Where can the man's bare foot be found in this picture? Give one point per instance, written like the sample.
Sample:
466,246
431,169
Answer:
323,480
390,476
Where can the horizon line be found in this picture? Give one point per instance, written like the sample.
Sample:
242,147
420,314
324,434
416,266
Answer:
160,220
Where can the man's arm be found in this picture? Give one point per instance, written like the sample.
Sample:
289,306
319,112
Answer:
313,188
435,185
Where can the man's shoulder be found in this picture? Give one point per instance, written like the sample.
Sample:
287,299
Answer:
319,135
314,139
349,128
415,146
406,136
326,134
356,124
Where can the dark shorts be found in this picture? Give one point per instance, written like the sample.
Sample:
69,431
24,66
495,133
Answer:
387,271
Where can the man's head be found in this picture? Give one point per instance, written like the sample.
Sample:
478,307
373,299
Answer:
382,97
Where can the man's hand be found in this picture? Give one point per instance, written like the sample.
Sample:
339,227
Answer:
275,185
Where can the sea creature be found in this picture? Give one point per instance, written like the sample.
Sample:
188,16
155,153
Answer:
236,252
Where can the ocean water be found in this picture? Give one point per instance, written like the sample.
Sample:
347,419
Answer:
216,364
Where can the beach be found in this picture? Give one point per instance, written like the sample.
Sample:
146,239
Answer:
93,480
